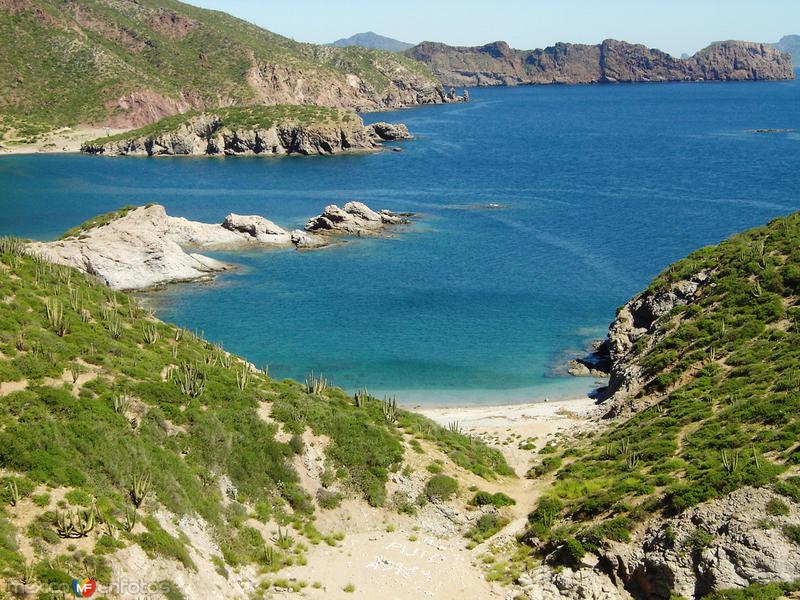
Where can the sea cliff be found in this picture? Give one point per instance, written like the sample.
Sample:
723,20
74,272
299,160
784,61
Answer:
263,130
612,61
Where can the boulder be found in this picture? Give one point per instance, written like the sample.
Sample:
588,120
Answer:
356,218
262,229
389,132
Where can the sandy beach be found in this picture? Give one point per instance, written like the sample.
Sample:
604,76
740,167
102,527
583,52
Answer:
385,554
67,139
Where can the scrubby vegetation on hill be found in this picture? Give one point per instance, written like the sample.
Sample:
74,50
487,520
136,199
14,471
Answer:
724,408
131,61
244,118
110,417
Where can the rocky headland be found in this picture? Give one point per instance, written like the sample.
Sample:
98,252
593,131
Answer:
612,61
143,247
267,130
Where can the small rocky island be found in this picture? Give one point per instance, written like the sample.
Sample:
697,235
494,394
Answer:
137,248
254,130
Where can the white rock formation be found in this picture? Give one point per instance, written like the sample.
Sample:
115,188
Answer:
147,248
356,218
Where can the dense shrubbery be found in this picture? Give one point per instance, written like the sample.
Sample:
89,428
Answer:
134,417
441,487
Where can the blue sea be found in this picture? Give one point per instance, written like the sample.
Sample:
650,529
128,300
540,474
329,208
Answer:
602,187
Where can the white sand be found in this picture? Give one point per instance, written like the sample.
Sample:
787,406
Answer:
67,139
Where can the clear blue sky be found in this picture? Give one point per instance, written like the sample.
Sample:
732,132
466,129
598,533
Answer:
675,26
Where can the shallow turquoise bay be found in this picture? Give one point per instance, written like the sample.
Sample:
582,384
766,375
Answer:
603,186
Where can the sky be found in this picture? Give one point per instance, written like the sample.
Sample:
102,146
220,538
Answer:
675,26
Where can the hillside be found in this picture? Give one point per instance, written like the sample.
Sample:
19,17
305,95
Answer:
610,62
791,45
132,450
695,479
126,63
373,41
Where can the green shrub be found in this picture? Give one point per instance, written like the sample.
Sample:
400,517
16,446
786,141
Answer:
777,508
792,533
441,487
328,499
487,499
486,526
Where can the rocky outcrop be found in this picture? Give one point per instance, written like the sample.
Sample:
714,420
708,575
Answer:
355,219
544,583
388,132
637,327
724,544
596,364
207,134
146,248
610,62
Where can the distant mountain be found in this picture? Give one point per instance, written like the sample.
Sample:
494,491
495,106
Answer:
791,45
611,61
373,41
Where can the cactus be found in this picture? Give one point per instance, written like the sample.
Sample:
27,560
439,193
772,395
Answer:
151,334
360,398
121,403
243,378
75,372
730,461
19,342
178,334
315,385
13,492
190,379
265,370
28,575
283,539
140,487
454,427
54,311
75,524
130,520
632,459
269,555
755,459
114,326
11,245
389,408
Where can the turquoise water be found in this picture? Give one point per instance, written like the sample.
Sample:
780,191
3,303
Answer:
603,187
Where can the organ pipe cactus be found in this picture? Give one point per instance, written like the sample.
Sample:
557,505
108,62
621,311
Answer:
130,520
243,378
75,524
315,385
13,492
360,398
140,487
190,379
389,408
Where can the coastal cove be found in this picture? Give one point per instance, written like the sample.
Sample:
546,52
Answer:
471,304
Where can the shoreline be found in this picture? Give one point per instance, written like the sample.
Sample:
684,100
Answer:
505,415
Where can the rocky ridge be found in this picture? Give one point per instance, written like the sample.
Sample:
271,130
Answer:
612,61
146,248
724,544
208,135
